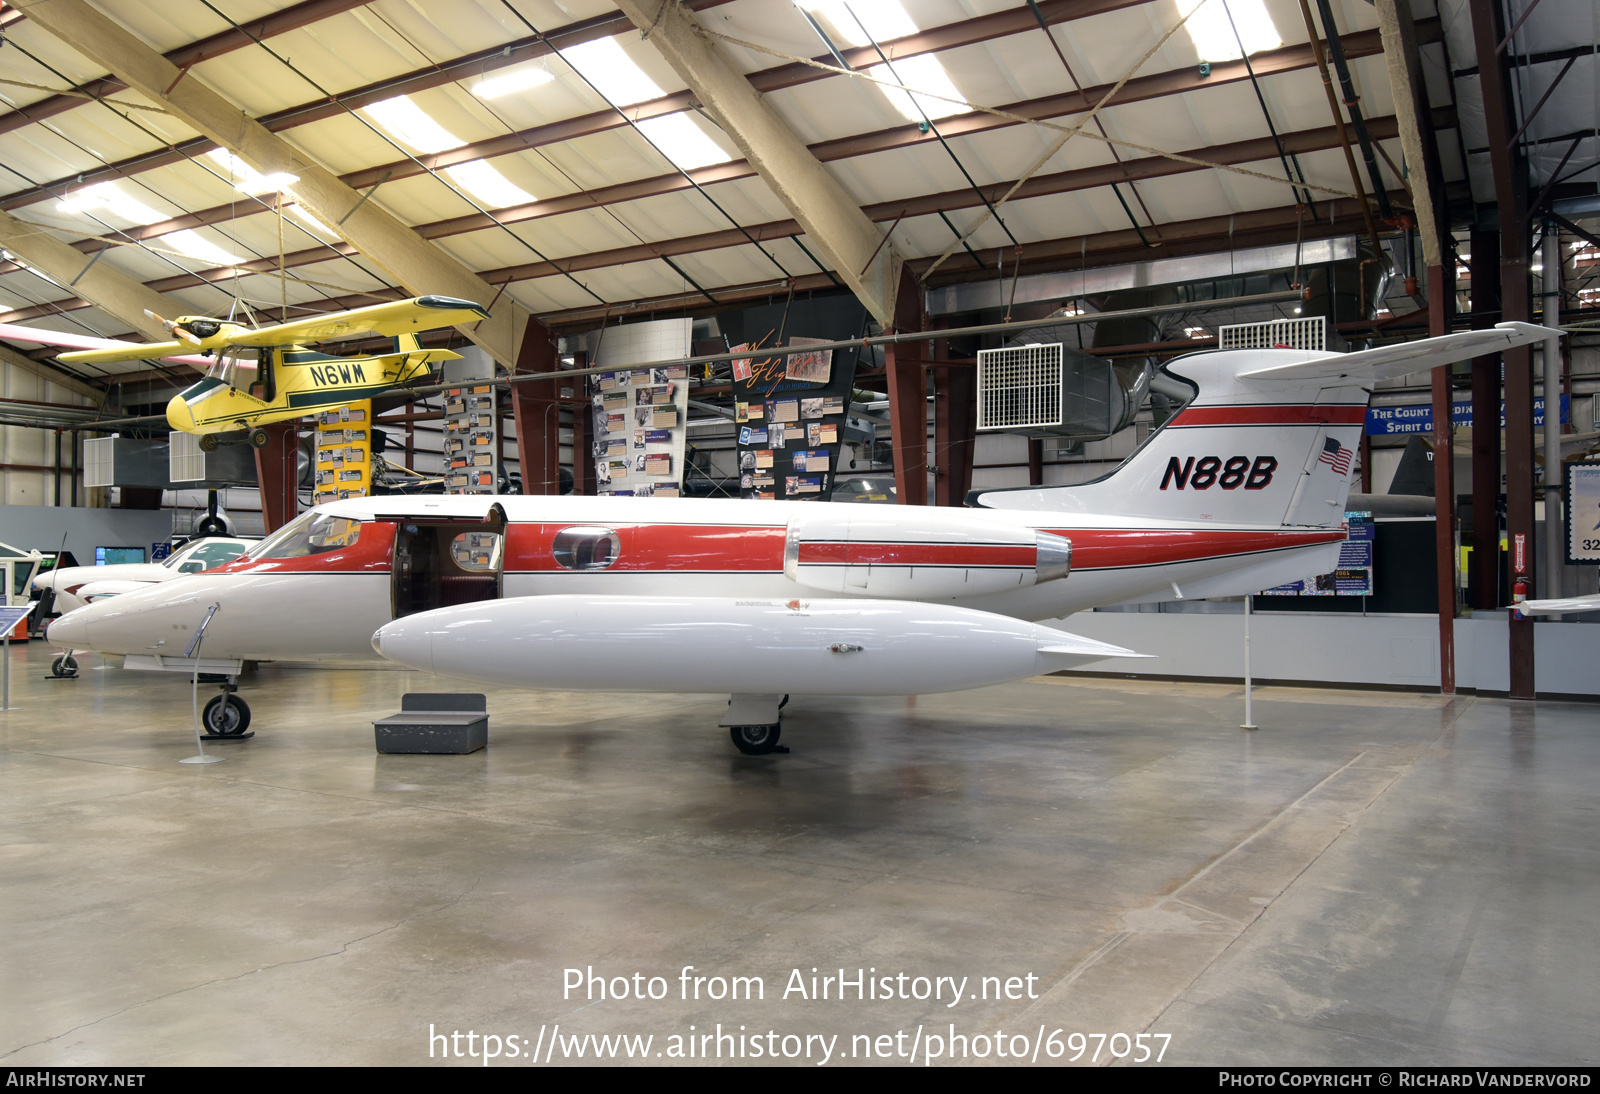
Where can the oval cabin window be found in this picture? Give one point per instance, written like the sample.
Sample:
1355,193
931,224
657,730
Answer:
586,548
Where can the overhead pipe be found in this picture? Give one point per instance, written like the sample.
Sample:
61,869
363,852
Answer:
1352,103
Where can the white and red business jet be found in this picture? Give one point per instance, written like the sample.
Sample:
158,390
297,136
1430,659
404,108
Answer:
1242,490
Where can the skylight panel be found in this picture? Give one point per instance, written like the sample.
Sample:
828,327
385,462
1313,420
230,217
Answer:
246,179
488,185
299,213
409,124
1213,32
104,195
510,83
195,246
863,22
604,64
683,142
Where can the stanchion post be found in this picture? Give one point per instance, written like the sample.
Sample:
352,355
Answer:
194,652
1249,721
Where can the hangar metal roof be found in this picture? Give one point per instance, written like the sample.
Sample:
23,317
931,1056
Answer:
564,191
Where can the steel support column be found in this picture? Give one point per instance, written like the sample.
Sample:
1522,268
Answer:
1485,582
536,409
278,475
908,397
1516,303
1441,293
955,407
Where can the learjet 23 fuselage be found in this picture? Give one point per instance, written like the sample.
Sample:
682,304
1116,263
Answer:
1243,489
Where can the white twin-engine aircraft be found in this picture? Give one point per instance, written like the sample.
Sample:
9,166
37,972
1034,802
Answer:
1242,490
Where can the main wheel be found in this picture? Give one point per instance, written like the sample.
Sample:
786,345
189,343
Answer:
209,442
755,740
226,716
65,665
259,438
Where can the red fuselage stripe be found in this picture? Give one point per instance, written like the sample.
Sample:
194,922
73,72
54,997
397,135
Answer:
974,556
1269,415
687,548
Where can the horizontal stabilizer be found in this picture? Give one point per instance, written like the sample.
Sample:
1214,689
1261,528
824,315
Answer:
1562,606
13,332
1403,358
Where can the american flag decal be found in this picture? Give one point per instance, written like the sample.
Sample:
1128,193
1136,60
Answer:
1336,456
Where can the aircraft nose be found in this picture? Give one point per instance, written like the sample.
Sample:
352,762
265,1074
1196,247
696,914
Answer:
71,631
179,416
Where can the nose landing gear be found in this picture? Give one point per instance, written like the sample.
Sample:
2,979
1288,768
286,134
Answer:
226,717
64,667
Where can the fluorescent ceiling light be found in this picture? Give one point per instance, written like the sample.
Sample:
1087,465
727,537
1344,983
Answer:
518,80
246,179
1213,32
114,201
409,124
863,22
488,185
613,73
195,246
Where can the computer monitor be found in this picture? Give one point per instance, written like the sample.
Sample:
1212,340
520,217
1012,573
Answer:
117,556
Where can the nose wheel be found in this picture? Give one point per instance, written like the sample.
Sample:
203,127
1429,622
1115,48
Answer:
226,715
64,667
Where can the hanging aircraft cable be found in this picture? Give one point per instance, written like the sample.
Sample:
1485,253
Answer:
688,177
379,133
1077,85
128,238
1277,141
927,125
539,151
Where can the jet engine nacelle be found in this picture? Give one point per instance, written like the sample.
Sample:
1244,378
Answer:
930,555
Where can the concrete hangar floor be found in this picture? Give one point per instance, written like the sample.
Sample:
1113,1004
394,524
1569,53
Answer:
1371,878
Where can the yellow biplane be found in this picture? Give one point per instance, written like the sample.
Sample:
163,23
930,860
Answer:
266,375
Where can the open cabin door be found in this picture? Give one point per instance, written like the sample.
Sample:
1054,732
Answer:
439,562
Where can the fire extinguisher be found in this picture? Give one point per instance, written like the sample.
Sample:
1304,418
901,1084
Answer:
1519,593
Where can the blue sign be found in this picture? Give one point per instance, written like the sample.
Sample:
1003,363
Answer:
159,551
1384,421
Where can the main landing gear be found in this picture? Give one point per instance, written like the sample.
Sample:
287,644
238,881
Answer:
255,438
753,723
226,716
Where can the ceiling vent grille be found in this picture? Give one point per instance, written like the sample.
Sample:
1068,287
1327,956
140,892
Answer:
1019,387
1308,333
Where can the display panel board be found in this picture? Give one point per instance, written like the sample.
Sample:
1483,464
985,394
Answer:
639,419
471,439
1353,577
1580,482
790,410
344,453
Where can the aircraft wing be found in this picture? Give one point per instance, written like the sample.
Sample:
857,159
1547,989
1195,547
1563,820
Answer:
104,349
1407,357
385,320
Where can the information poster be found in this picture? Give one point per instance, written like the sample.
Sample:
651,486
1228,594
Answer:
471,439
1354,575
790,412
639,419
344,453
1581,480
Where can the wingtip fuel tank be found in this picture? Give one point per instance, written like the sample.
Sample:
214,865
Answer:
803,646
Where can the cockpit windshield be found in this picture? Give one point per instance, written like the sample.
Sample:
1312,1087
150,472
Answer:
236,366
311,533
203,555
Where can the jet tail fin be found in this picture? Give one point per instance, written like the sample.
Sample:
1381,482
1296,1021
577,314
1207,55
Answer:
1269,439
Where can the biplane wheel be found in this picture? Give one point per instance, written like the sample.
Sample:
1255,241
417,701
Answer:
259,438
209,442
65,665
226,716
756,740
